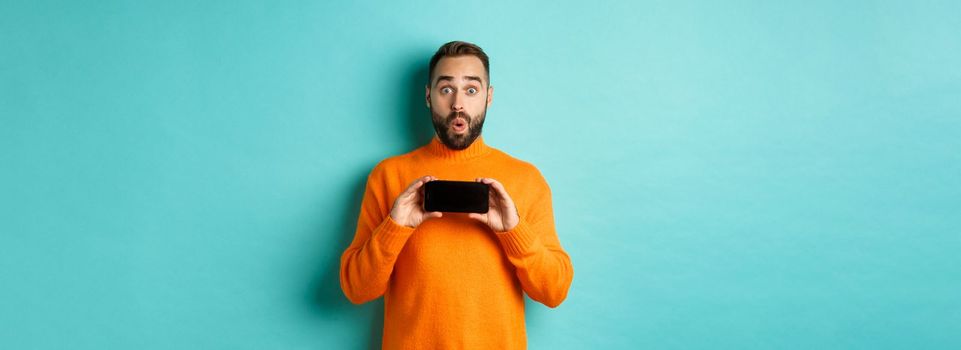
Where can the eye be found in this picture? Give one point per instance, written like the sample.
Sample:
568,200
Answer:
446,90
471,91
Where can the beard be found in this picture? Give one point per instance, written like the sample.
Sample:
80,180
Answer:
446,134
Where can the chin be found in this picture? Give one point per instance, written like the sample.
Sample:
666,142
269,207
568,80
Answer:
459,142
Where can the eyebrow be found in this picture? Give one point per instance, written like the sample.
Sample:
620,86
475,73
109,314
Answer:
467,77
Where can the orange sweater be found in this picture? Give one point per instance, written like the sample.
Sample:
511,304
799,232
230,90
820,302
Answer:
453,283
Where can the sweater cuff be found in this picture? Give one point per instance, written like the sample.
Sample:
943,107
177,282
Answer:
519,241
391,235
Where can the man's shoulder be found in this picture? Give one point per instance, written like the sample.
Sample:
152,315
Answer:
517,165
392,163
395,164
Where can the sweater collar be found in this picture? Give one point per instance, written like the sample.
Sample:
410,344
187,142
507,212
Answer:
476,149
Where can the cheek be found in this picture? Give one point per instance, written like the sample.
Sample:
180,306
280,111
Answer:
438,100
437,103
479,105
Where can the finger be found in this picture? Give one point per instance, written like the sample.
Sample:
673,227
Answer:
498,188
414,186
426,179
493,196
476,216
496,184
434,215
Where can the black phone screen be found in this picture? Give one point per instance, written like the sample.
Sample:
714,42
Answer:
456,196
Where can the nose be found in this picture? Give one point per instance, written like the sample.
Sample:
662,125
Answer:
456,103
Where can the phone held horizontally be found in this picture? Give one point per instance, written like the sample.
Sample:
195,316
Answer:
456,196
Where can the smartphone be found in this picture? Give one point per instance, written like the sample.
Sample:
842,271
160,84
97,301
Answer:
456,196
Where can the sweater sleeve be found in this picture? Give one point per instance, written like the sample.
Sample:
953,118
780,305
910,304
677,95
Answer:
542,266
366,265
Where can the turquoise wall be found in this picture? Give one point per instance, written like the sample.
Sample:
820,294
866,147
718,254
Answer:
741,175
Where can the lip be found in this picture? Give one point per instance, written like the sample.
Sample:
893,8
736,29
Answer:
462,128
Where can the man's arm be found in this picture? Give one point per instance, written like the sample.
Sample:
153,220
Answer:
366,265
542,266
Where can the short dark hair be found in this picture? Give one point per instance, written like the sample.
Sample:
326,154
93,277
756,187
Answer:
458,48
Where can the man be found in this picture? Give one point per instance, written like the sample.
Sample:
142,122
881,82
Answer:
454,280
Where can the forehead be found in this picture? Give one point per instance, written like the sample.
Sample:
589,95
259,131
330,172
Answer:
459,67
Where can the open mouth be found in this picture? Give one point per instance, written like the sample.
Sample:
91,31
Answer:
459,125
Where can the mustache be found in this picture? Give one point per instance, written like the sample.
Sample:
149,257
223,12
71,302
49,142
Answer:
454,115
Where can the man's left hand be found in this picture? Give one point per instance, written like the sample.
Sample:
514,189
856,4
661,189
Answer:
502,215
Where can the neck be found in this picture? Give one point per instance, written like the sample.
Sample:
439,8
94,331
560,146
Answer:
476,149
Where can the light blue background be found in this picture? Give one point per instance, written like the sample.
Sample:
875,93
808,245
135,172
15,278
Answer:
739,175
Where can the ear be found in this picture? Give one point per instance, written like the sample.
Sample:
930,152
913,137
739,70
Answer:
490,95
427,95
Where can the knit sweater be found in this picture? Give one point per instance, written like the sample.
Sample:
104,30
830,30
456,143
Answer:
452,282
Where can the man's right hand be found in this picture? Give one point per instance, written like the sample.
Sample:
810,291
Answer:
408,208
